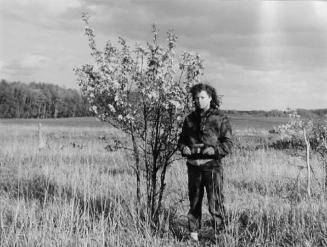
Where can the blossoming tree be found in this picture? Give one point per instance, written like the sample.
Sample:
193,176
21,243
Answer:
144,92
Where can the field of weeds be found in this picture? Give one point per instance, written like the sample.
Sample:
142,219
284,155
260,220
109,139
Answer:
74,192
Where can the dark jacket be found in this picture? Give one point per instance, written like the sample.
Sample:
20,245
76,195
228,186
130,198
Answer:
212,129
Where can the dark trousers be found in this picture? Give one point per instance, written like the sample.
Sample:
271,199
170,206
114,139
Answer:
210,178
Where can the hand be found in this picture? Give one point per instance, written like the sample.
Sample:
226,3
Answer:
186,151
209,151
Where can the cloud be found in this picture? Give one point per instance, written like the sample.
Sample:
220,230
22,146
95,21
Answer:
239,34
226,29
191,18
266,54
46,14
26,66
33,61
53,6
273,89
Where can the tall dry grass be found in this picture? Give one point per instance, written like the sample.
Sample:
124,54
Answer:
75,193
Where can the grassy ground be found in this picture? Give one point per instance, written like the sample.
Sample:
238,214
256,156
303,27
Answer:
75,193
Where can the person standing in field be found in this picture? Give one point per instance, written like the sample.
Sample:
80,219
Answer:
205,139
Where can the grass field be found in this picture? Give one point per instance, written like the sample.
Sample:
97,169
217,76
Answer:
75,193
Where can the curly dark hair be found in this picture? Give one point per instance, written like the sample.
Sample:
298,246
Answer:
197,88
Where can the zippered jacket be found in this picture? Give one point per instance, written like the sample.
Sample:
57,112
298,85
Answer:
209,129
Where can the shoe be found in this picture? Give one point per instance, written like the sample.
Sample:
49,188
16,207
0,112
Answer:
194,236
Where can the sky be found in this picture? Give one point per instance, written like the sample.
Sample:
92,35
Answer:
260,55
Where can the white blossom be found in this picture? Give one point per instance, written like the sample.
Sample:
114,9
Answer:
95,109
111,108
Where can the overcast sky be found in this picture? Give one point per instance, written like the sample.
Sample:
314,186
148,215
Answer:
258,54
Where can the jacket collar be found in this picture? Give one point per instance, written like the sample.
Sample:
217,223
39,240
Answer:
211,111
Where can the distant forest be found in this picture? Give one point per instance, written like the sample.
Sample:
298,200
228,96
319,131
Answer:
41,100
305,113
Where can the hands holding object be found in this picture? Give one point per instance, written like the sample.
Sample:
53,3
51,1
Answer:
198,149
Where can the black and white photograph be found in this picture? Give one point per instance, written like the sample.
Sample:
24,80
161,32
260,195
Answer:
163,123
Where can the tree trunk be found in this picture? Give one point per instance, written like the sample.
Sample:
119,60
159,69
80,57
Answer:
307,145
325,163
137,169
162,186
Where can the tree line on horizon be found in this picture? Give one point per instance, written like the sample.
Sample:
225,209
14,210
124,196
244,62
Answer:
43,100
40,100
305,113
